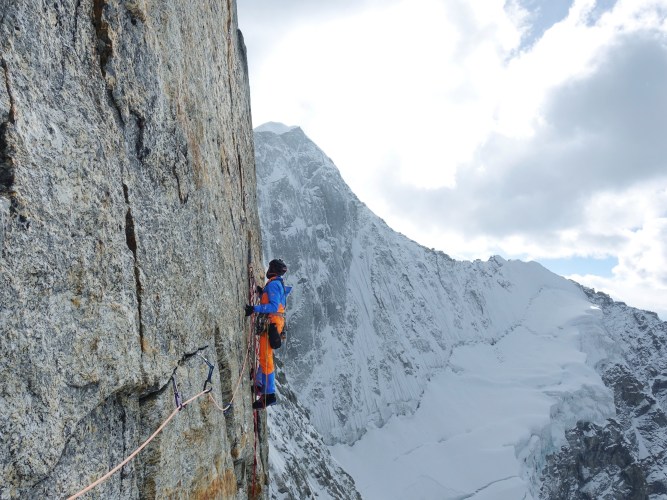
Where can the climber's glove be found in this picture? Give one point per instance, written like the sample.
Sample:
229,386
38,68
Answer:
249,310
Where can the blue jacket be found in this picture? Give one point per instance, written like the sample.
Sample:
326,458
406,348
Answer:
277,294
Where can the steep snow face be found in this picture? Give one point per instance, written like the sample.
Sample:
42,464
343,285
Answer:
438,378
300,464
374,315
496,410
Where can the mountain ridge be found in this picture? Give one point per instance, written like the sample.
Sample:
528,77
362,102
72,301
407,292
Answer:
377,318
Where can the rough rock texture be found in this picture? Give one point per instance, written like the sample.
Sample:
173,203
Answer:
627,457
301,465
127,214
596,464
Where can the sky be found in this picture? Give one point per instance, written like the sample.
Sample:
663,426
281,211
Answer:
531,129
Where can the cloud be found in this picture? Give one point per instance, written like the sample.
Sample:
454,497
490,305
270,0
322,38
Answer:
407,79
588,178
598,133
640,278
263,22
528,128
601,133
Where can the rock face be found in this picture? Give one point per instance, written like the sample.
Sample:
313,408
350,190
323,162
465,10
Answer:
627,457
127,219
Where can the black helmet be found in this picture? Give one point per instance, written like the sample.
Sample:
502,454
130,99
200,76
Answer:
276,268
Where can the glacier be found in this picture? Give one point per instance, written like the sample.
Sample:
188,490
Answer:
420,376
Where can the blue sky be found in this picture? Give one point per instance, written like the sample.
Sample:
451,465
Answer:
531,129
581,265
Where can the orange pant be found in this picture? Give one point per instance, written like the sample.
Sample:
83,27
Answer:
265,354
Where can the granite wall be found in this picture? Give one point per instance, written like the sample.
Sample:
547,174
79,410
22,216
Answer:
127,220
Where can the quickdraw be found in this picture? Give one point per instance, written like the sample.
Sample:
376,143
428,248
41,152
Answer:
180,405
177,395
210,373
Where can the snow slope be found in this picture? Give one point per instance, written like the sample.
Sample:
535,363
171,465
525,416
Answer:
494,406
300,464
434,378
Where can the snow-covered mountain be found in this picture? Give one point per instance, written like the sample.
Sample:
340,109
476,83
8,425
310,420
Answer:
428,377
301,465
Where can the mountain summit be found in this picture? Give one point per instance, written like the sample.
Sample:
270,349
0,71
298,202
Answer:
435,378
274,127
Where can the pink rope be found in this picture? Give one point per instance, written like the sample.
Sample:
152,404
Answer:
136,452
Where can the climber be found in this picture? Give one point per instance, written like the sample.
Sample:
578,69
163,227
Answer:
272,306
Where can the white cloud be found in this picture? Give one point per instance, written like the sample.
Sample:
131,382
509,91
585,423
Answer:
634,293
487,127
410,82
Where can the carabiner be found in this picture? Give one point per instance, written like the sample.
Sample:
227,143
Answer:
210,373
177,395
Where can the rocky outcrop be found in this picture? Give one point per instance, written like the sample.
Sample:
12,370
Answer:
627,457
127,215
597,463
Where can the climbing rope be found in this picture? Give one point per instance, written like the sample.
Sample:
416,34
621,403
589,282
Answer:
252,299
138,450
252,345
253,339
179,406
238,384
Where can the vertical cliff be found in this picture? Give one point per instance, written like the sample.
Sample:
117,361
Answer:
127,216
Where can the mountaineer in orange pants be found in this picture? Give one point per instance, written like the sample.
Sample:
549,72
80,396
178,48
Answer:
272,305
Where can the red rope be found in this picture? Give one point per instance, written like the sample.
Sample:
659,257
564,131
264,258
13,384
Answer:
254,461
238,382
251,300
252,297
